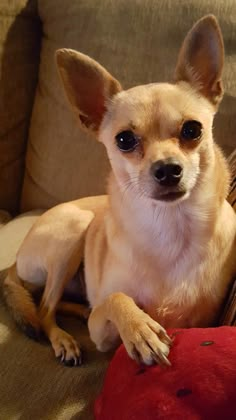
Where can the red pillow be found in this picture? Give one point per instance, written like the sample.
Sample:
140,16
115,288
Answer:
200,384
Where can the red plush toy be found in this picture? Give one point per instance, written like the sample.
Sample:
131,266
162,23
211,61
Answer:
200,384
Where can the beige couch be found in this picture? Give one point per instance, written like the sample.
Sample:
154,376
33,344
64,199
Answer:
46,159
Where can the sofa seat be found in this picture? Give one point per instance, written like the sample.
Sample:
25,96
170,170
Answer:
33,384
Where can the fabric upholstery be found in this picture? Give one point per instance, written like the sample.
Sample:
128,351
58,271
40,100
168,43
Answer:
33,384
229,313
4,217
232,194
137,41
20,37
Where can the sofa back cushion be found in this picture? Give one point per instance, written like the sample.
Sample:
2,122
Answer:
20,37
138,42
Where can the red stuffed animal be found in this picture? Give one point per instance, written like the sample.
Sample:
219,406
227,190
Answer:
200,384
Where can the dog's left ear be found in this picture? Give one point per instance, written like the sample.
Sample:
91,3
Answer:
201,59
88,86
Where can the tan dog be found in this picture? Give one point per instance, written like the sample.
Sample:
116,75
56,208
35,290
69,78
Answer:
159,250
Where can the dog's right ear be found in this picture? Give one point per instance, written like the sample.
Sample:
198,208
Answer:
201,59
88,86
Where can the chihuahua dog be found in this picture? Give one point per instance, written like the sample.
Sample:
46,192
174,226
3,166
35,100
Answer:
159,249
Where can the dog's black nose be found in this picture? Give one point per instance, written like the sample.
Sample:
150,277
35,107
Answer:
167,172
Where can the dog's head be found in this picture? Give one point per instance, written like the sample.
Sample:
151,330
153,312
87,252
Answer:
156,135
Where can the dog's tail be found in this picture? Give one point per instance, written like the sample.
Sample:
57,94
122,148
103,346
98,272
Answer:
3,275
20,303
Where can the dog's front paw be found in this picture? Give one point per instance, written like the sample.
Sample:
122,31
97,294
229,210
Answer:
146,341
66,348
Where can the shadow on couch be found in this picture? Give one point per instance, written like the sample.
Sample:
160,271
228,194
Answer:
34,385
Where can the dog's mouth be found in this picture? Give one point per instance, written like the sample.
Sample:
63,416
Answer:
170,196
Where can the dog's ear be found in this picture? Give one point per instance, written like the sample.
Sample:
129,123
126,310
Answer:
88,86
201,59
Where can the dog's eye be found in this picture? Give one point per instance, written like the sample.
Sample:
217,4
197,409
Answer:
191,130
126,141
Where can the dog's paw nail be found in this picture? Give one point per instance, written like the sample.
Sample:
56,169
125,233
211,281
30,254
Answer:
69,362
80,358
165,338
62,357
75,361
160,359
79,361
164,360
136,356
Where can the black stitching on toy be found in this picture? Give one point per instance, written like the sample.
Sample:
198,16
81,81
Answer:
183,392
207,343
140,371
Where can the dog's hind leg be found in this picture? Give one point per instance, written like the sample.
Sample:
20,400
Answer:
64,345
62,268
74,309
20,303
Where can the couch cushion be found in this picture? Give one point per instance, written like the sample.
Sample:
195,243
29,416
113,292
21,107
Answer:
33,384
4,217
12,235
20,37
138,42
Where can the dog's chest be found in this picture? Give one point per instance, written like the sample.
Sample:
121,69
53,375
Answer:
159,285
169,268
163,273
174,298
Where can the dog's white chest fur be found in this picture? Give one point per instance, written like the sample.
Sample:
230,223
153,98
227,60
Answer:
163,259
